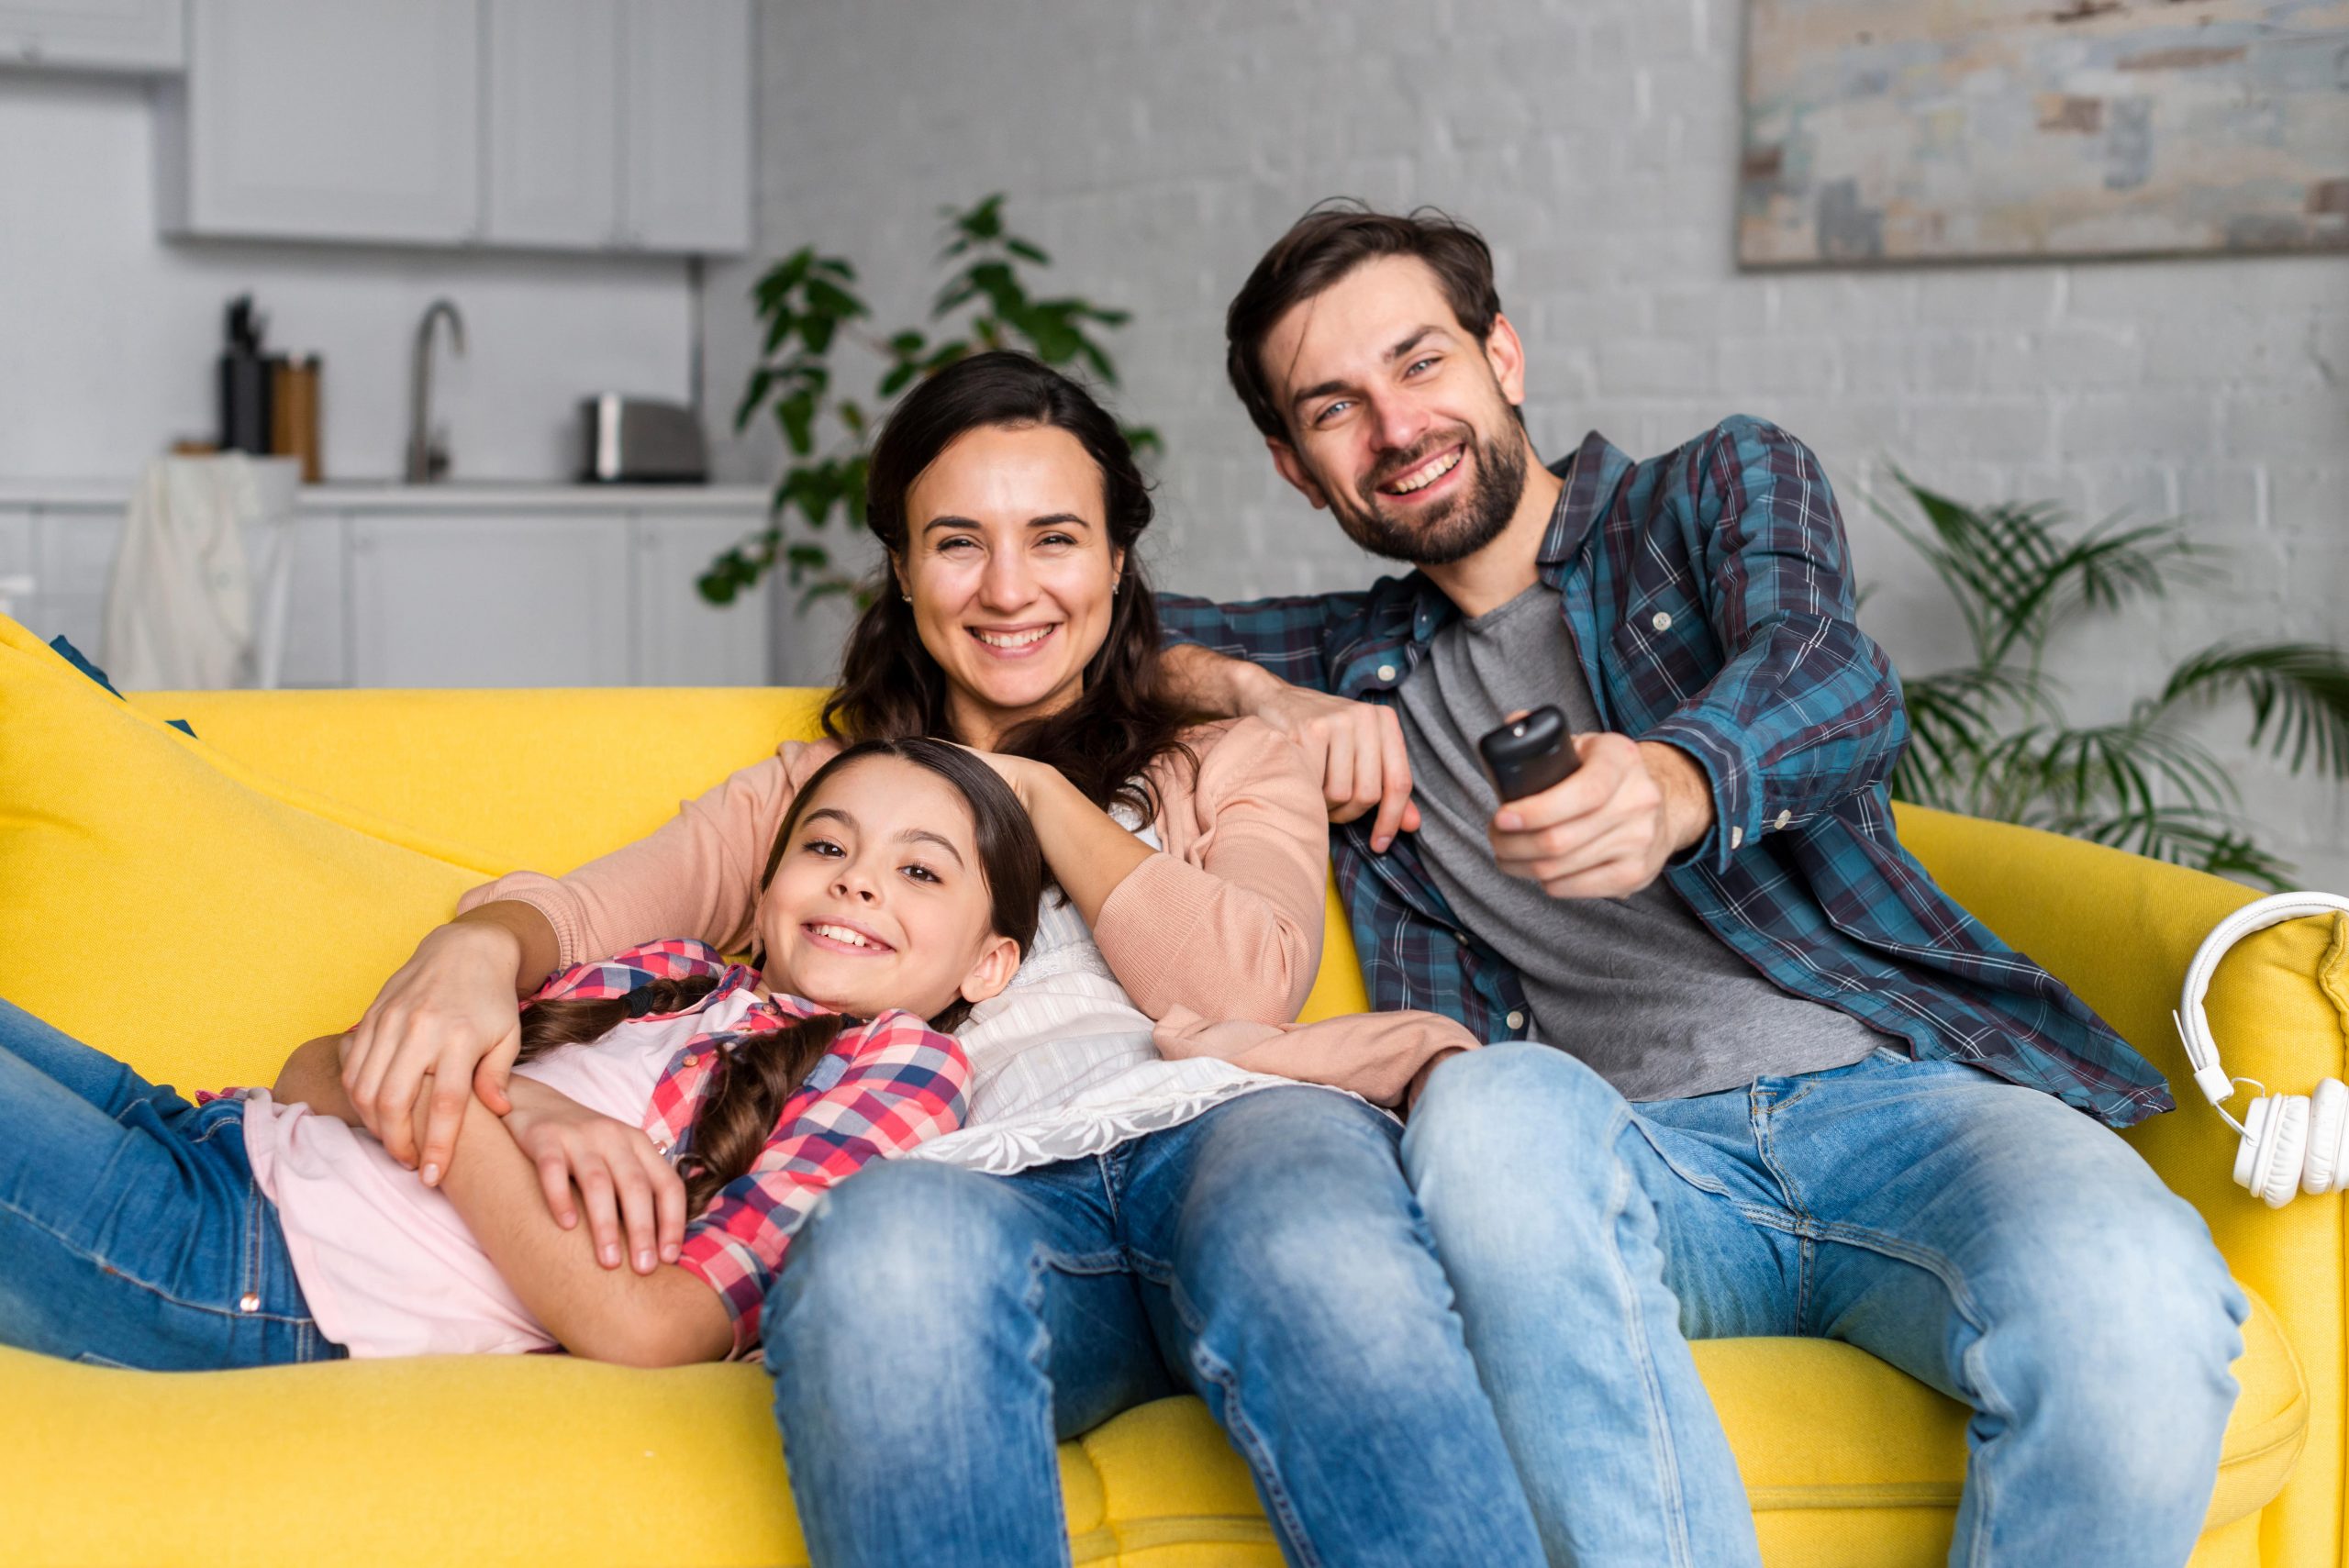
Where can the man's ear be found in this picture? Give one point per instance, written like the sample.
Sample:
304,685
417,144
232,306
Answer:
1505,355
998,960
1284,458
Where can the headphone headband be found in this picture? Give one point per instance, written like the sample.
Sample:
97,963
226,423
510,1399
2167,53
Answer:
2193,1026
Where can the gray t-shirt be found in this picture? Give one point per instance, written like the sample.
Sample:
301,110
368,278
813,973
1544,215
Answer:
1637,987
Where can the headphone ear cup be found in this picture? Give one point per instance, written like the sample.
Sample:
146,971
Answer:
2283,1149
2328,1157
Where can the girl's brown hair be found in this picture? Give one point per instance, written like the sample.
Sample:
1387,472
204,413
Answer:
756,1075
1122,722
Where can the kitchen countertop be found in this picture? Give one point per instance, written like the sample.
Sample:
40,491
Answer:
460,496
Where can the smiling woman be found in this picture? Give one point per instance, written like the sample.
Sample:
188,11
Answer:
1230,1231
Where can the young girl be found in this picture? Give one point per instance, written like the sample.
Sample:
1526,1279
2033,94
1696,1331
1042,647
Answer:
139,1229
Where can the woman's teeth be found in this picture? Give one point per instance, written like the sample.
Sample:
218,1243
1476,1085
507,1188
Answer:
1419,479
1012,639
845,935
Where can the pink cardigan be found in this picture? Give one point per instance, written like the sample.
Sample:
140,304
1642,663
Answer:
1225,922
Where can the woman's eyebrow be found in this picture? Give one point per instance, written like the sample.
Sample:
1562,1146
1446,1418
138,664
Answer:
834,812
924,836
1049,520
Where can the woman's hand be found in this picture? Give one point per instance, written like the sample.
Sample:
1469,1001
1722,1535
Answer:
451,1016
1089,851
614,1168
1020,773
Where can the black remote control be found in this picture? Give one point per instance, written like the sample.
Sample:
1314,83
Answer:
1528,755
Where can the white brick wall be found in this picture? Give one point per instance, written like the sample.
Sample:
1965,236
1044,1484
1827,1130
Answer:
1155,147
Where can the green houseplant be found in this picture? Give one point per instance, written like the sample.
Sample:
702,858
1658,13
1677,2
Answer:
1990,738
807,305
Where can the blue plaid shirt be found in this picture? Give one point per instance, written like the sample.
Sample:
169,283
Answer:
1708,592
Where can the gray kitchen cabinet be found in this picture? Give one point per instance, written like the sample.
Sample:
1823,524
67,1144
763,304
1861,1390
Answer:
136,35
531,599
552,122
317,650
325,119
683,640
685,125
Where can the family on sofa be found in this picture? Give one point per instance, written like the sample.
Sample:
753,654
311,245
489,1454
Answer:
1683,1046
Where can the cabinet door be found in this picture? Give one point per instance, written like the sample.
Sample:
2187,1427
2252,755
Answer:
327,119
685,125
95,34
683,640
316,651
554,122
504,601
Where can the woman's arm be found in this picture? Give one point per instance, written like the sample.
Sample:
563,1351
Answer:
666,1318
1090,854
634,1202
1230,926
449,1016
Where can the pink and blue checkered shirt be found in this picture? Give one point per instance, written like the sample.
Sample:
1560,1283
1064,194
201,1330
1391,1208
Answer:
885,1085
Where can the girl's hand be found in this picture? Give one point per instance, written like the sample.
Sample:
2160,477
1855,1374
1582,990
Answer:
448,1017
613,1167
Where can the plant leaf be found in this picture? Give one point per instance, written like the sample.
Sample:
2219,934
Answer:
2298,693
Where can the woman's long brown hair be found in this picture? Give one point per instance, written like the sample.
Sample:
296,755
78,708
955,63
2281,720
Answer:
1122,722
755,1076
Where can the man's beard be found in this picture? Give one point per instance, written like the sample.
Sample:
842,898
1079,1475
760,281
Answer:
1454,530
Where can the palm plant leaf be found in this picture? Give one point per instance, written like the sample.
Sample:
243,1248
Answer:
1953,716
2298,693
2189,836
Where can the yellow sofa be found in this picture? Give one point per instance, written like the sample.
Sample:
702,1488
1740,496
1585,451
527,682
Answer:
119,920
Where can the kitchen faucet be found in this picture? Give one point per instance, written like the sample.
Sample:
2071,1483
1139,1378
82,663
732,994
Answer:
427,450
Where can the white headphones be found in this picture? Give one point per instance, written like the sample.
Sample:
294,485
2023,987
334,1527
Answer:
2292,1141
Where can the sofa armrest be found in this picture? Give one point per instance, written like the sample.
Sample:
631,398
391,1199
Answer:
2120,929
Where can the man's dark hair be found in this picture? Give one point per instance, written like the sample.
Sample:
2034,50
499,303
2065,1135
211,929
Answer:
1326,243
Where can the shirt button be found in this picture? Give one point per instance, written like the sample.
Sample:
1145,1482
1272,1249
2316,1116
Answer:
693,1060
1736,837
1516,1020
1386,672
1661,621
249,1302
1784,817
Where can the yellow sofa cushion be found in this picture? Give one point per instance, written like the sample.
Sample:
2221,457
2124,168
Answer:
540,1459
176,909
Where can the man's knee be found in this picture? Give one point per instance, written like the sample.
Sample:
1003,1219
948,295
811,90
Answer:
1490,1119
2122,1345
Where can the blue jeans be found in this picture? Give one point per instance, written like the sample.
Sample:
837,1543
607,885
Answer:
131,1231
936,1330
1983,1238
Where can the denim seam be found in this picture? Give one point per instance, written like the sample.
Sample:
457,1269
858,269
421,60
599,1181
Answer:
1990,1399
1666,1455
70,1244
1280,1505
1039,1356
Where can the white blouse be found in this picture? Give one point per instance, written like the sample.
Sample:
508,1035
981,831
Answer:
1062,1062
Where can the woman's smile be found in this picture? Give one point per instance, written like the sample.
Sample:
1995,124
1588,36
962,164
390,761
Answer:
1014,642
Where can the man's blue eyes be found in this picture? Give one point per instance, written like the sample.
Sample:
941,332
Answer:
1413,369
